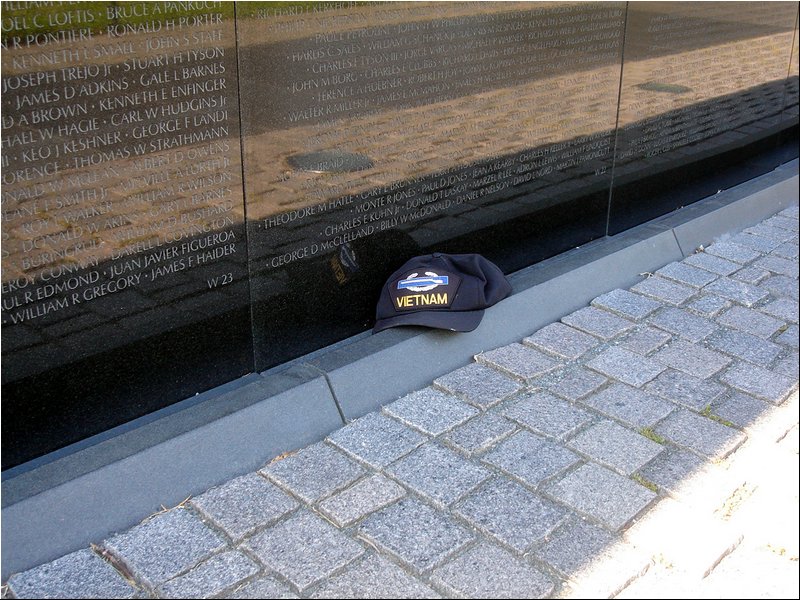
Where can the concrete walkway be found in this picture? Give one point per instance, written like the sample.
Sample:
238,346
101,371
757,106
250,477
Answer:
644,446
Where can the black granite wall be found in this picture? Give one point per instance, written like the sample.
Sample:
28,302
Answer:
192,191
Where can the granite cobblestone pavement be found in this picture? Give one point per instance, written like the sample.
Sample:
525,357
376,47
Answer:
644,446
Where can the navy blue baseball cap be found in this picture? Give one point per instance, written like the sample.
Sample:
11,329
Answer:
443,291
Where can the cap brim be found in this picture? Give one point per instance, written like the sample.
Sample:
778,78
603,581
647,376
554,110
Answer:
462,321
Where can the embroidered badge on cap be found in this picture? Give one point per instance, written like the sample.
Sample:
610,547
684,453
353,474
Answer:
429,289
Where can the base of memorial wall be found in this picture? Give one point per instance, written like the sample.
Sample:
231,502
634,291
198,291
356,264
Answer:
109,482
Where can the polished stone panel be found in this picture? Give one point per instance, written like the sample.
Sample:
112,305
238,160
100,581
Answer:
457,127
700,103
791,114
195,191
124,255
791,106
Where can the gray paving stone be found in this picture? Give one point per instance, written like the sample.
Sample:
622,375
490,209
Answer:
766,230
367,496
530,458
211,577
700,434
615,447
486,571
752,275
630,405
785,219
304,549
374,577
511,514
601,494
684,324
712,263
165,546
664,290
376,440
782,308
479,385
481,433
789,365
781,266
789,337
431,411
787,250
737,291
314,472
685,390
573,547
755,242
519,361
562,340
764,384
733,252
575,383
262,587
708,306
750,321
745,346
629,305
740,409
81,574
547,415
784,222
692,359
439,474
782,286
244,504
670,469
415,533
598,322
645,340
625,366
687,274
